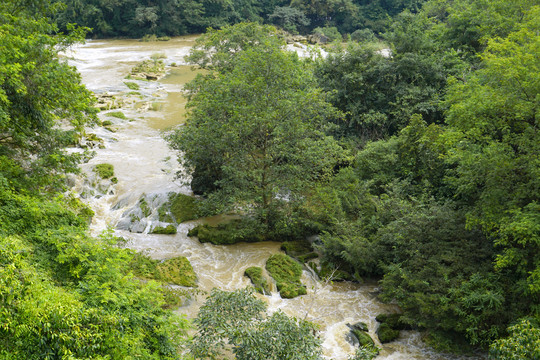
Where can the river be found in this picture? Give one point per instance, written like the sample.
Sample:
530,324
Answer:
144,164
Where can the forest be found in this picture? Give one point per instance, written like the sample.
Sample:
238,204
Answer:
419,169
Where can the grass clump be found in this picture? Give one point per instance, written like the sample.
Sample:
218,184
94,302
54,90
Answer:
105,171
167,230
240,230
131,85
117,114
286,272
260,283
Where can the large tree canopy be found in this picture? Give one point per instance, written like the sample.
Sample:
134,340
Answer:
255,129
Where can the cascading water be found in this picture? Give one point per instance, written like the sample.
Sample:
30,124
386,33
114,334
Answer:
144,164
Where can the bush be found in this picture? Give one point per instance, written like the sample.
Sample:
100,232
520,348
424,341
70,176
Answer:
167,230
363,35
331,33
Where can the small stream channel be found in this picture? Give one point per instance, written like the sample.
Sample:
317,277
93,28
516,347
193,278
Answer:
144,164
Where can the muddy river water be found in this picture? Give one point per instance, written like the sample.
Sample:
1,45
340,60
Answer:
144,164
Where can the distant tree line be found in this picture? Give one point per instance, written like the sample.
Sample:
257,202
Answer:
136,18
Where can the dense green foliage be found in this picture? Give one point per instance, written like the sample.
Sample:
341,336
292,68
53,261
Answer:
136,18
442,198
37,93
261,121
236,321
63,294
436,192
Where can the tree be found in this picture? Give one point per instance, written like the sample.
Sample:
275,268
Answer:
38,94
289,18
260,122
523,343
493,146
236,321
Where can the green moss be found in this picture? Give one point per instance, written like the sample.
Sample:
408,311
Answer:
386,333
104,171
179,208
176,271
155,66
229,233
299,249
106,123
117,114
132,85
286,272
144,207
260,283
363,337
169,229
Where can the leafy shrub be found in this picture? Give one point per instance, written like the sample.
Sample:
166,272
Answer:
331,32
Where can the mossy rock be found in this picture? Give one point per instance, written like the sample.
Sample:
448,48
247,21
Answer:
364,339
309,256
226,234
145,208
299,249
167,230
260,283
106,123
104,171
177,271
290,291
117,114
179,208
286,272
394,321
386,334
131,85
